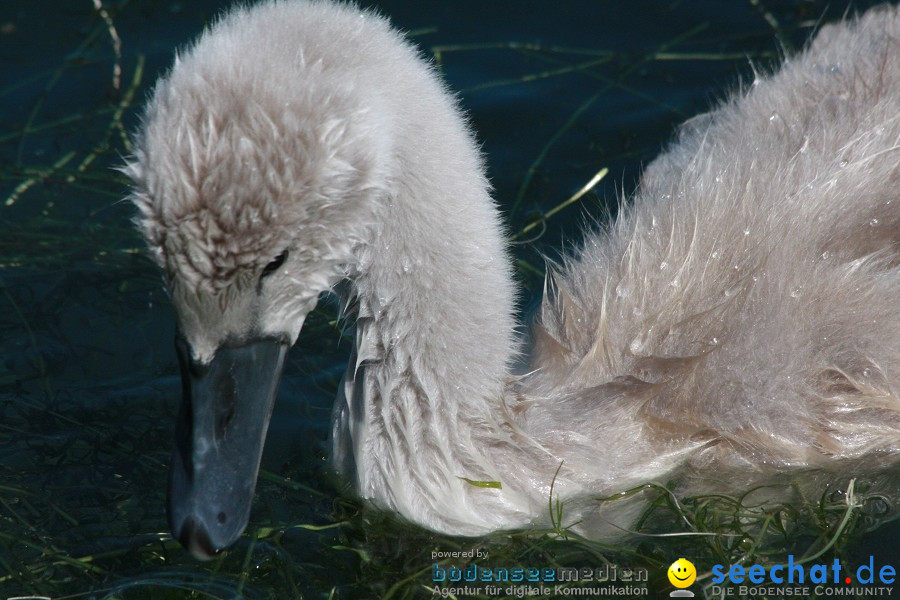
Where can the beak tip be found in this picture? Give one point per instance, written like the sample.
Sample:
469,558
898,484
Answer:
194,537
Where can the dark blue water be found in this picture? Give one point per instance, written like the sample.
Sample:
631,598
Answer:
88,379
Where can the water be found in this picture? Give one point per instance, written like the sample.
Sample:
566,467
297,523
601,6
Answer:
88,378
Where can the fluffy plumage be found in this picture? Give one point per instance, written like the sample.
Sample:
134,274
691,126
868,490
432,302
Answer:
737,324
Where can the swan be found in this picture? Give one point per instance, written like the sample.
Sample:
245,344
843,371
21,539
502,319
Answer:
736,325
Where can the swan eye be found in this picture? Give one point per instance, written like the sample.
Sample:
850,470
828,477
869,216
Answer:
274,265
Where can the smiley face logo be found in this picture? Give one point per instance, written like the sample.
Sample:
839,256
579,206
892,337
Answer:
682,573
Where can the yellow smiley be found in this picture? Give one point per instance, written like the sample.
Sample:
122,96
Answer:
682,573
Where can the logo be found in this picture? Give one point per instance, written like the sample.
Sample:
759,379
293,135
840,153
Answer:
800,578
474,579
682,574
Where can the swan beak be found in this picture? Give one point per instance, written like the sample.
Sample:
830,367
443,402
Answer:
219,438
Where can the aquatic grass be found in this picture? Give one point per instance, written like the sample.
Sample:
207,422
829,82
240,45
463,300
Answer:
376,563
582,108
88,382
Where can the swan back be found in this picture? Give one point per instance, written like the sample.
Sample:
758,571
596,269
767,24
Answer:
745,303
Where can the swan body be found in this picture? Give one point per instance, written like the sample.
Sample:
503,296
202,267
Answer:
736,324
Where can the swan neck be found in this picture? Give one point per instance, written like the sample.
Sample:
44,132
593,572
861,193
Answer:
434,300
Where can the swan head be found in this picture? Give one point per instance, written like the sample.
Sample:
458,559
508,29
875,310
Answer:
254,192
